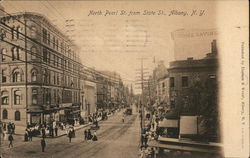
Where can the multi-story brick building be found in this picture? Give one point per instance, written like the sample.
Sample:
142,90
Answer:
40,71
184,74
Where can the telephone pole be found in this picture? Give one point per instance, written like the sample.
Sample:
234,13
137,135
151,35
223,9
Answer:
142,71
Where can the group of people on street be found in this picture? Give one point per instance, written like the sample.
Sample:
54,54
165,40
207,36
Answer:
88,135
8,131
29,133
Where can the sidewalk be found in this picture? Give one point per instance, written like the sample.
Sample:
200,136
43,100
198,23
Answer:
19,137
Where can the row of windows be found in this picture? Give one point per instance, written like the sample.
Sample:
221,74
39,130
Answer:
49,77
16,76
184,81
17,115
55,60
47,96
16,98
51,40
15,54
15,32
47,57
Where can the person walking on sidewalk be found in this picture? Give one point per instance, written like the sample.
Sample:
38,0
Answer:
85,134
30,134
70,134
11,140
43,132
43,144
56,131
94,138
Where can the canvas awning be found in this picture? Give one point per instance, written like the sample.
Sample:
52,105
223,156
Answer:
169,123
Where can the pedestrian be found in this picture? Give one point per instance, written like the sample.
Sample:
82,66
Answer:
43,132
73,133
52,132
70,135
123,118
13,128
5,135
11,140
89,135
56,131
94,138
43,144
30,133
9,128
26,136
85,134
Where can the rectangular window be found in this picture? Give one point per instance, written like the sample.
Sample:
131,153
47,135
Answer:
4,54
55,78
62,47
48,38
54,42
48,57
4,78
45,35
45,54
172,84
34,96
57,43
184,81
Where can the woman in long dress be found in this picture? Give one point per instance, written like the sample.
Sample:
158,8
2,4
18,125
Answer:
5,135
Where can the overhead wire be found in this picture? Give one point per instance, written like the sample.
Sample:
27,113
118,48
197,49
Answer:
91,69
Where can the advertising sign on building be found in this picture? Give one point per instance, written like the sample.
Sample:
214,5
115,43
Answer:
193,42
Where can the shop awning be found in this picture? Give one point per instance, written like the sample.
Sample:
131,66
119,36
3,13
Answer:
34,111
169,123
76,111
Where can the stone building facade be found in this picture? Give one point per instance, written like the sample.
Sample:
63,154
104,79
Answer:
40,72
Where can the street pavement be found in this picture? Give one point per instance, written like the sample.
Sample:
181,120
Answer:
115,139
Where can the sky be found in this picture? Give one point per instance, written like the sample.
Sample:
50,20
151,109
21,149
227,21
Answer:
115,42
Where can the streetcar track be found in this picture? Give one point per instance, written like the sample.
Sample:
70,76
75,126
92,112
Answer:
103,143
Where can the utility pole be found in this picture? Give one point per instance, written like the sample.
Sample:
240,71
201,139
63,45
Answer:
142,71
2,36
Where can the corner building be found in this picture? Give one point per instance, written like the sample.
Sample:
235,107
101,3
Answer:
40,72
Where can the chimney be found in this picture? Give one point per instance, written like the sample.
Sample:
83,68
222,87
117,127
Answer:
213,47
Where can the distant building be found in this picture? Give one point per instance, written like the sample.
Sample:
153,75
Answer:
110,90
184,73
157,88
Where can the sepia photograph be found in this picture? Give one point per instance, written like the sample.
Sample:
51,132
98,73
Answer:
124,79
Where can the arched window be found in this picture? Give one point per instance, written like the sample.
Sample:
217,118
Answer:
33,32
5,97
5,114
34,75
17,76
17,97
34,96
4,54
15,53
17,116
2,34
4,76
33,52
